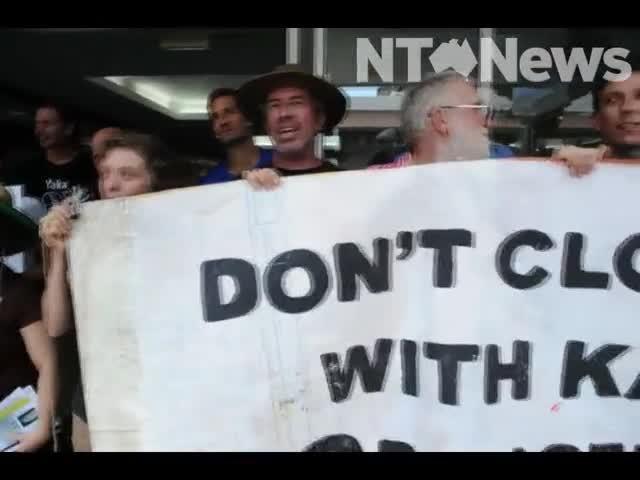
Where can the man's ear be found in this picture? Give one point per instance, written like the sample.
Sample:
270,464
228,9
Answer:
596,120
438,121
321,118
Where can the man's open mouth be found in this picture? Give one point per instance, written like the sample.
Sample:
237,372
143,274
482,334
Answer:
633,127
287,133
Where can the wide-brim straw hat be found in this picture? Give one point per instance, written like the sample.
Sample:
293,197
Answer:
254,93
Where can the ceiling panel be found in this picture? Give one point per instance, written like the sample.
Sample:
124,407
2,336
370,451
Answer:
60,63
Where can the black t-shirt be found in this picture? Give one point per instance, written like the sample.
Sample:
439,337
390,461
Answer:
324,168
19,308
52,183
70,391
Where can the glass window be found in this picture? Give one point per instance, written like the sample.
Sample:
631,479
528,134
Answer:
539,81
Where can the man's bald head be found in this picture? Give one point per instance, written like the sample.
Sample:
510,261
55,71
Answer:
99,141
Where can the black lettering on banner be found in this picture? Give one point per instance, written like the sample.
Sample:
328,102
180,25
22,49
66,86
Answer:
561,447
606,447
392,446
443,243
405,242
409,358
595,366
573,275
335,443
448,357
245,298
634,390
518,372
372,374
315,268
351,263
623,262
505,259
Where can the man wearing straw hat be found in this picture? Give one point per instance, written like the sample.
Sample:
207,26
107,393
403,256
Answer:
294,106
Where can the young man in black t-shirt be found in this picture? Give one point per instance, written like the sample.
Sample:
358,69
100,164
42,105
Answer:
62,165
51,177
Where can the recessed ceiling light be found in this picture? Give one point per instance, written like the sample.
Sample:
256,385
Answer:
186,41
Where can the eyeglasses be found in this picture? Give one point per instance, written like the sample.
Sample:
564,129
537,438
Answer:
489,112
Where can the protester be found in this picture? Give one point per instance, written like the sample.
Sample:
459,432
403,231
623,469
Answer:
444,119
296,107
132,165
234,131
616,115
62,165
27,356
616,106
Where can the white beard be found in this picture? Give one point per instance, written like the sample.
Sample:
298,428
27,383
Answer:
466,144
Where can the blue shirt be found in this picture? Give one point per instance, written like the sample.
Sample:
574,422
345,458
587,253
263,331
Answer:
497,150
220,173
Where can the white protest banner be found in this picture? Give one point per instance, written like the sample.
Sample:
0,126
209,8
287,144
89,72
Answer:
484,306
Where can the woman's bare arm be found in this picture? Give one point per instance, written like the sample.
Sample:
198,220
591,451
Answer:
42,353
56,300
55,230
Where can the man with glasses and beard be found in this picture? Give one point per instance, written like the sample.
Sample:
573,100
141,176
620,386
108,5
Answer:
444,119
232,128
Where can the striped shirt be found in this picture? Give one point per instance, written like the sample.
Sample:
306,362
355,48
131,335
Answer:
404,159
401,160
